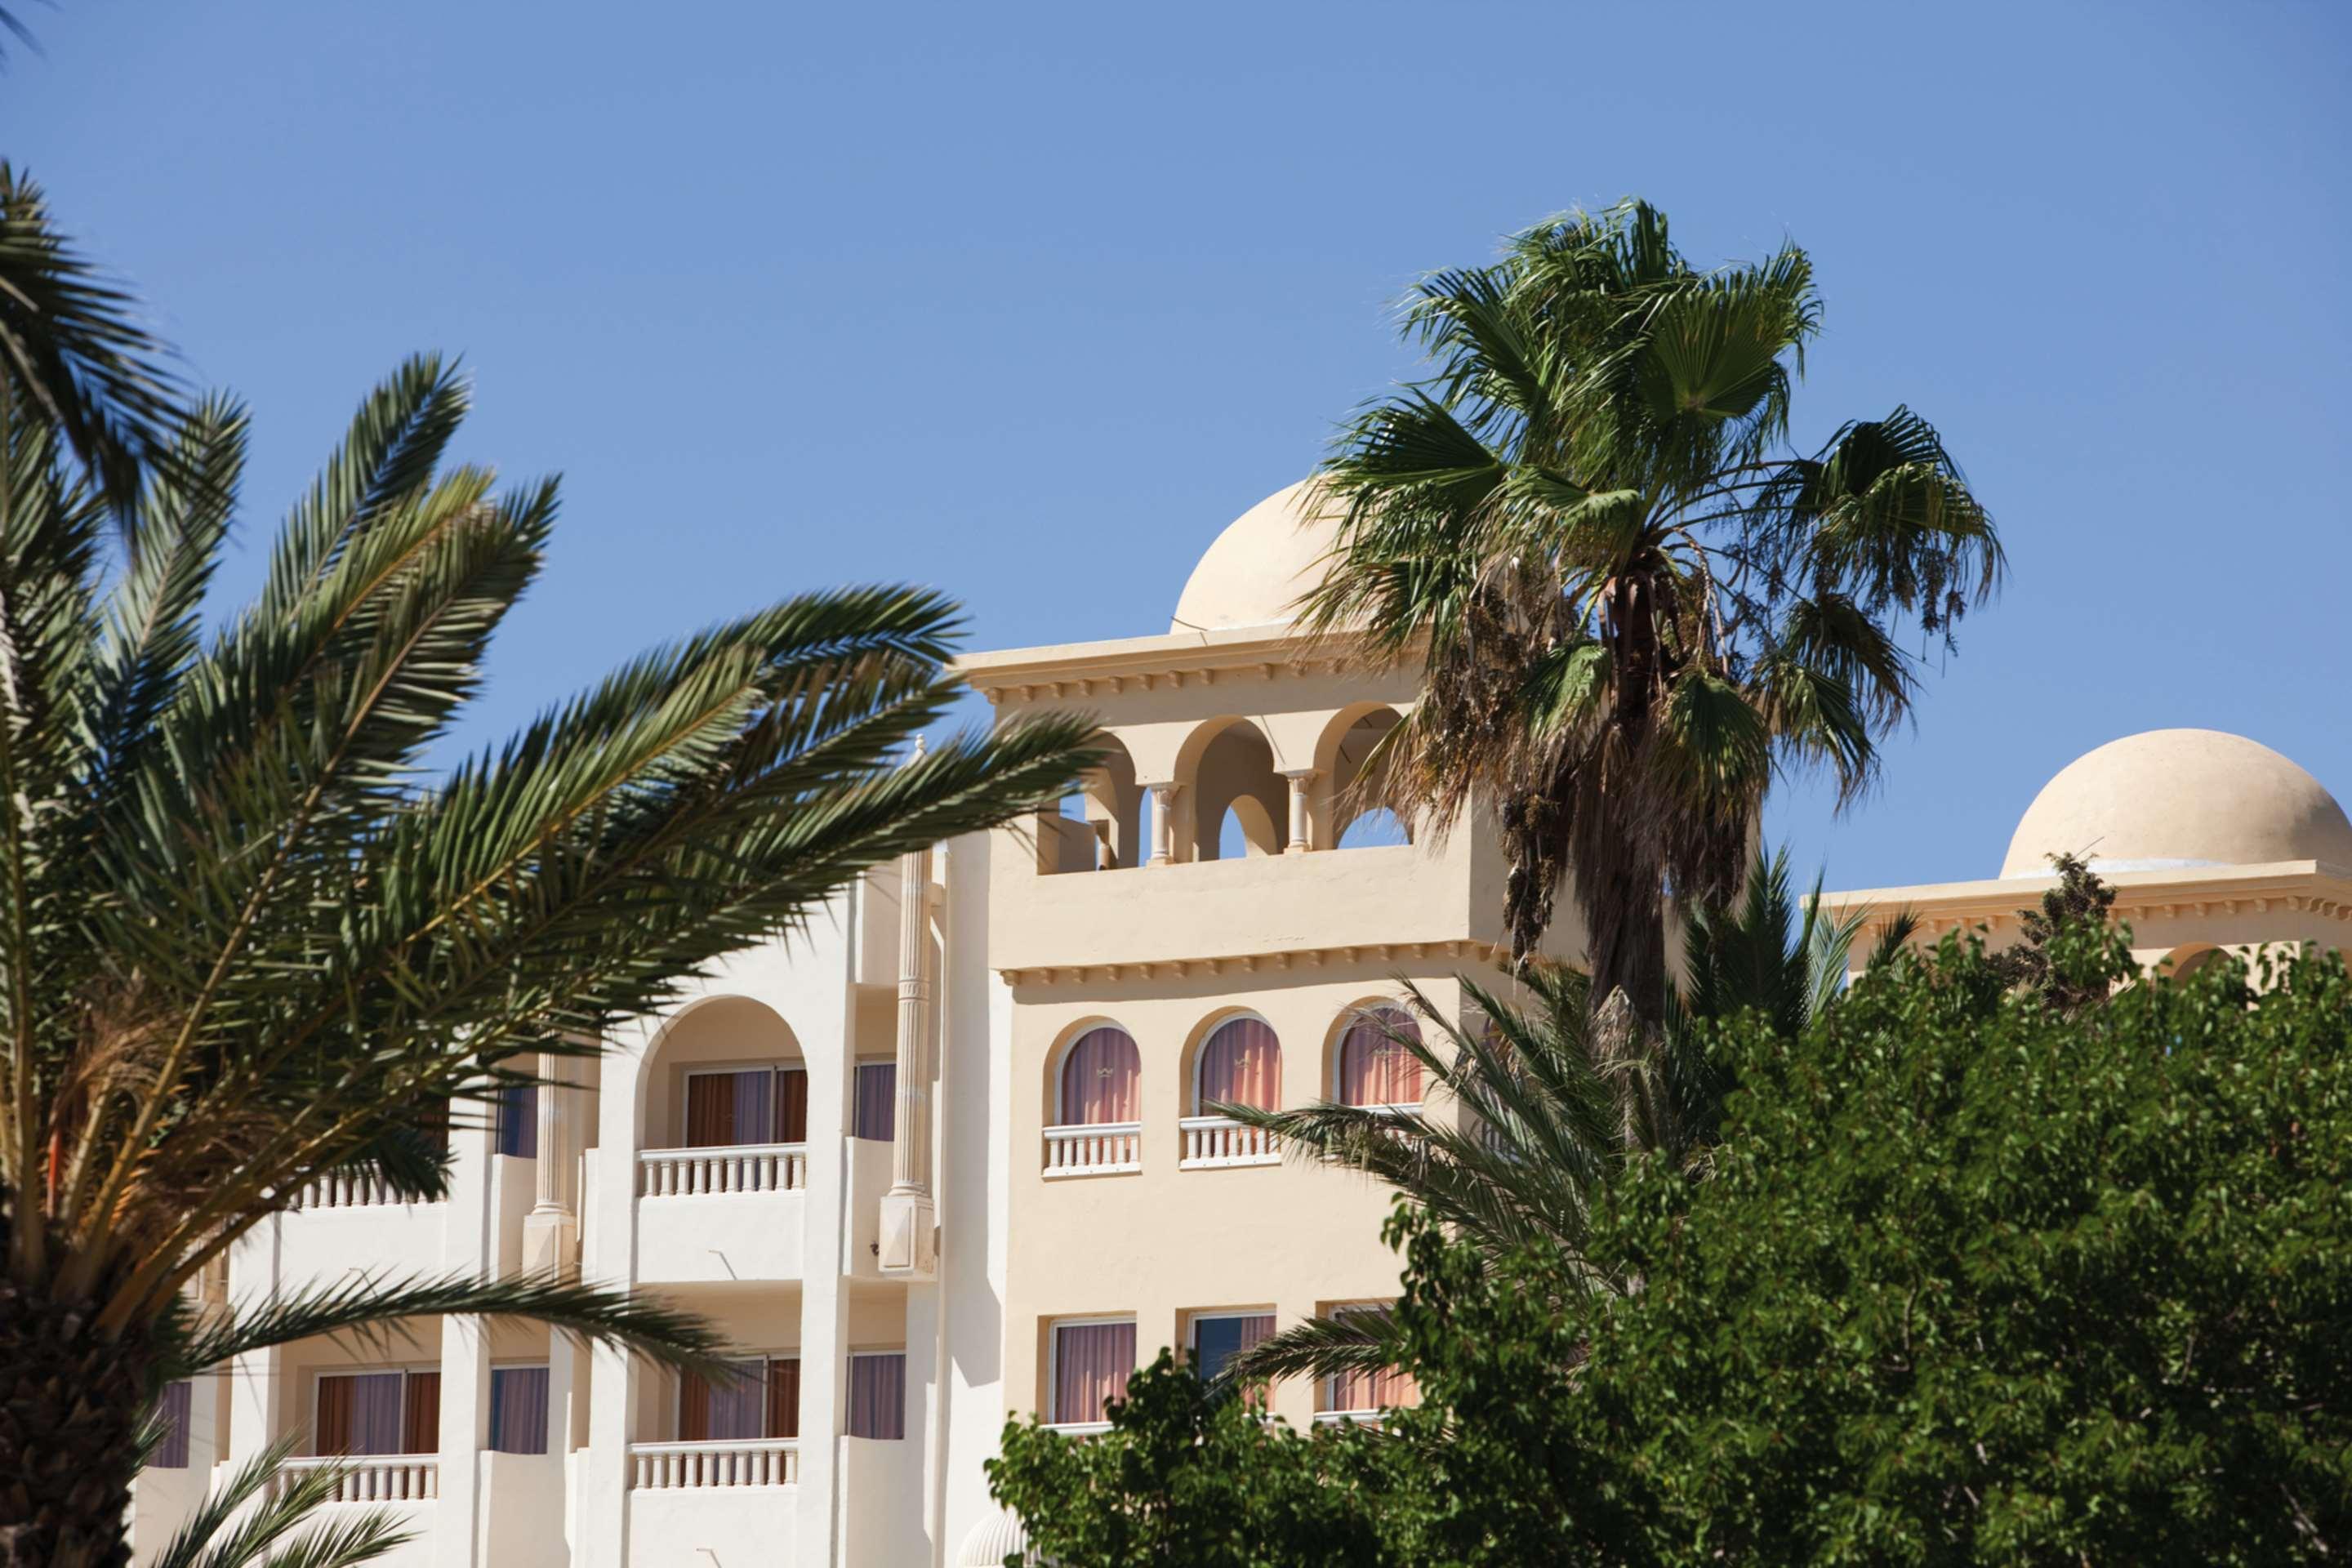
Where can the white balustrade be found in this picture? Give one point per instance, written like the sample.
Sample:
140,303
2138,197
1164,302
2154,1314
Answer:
1079,1428
730,1462
1094,1149
350,1188
374,1477
1213,1141
1346,1418
724,1168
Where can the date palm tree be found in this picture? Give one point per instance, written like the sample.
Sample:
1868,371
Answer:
1536,1110
245,939
1630,597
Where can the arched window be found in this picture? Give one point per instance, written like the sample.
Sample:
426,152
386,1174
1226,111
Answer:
1102,1076
1374,1067
1241,1064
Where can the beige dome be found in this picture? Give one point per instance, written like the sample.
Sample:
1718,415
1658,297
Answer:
1254,572
2175,798
995,1538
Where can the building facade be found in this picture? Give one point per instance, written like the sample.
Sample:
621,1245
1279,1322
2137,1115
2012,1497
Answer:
948,1156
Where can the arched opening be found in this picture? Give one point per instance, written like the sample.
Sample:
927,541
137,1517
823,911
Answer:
1102,824
1233,776
1373,1067
2186,961
724,1103
1347,758
1101,1080
1239,1064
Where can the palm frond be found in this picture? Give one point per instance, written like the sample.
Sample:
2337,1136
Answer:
246,1522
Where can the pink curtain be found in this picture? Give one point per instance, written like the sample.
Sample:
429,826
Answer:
877,1396
519,1409
1374,1069
1241,1065
1381,1390
1101,1077
172,1411
1092,1363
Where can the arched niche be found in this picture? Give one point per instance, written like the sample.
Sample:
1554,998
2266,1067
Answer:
1107,809
1355,814
1227,768
716,1034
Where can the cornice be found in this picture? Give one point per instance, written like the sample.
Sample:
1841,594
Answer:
1083,670
1285,961
2307,887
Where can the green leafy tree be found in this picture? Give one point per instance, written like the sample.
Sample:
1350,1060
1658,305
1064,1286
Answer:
1185,1476
245,940
2080,901
1628,597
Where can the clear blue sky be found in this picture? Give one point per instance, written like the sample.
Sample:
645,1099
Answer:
1028,302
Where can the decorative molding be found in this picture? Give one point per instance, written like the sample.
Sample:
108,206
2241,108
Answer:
1493,954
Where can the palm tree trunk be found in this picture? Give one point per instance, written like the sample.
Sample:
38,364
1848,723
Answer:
69,1420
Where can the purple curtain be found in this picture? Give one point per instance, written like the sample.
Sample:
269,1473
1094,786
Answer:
358,1413
1241,1065
171,1410
1100,1078
877,1102
519,1121
1092,1363
1374,1069
519,1409
877,1396
728,1409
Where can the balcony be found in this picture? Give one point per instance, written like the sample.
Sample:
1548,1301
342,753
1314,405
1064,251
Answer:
1215,1143
724,1213
728,1462
1097,1149
374,1477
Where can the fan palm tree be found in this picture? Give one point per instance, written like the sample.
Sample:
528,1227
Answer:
1551,1101
244,940
73,354
1630,597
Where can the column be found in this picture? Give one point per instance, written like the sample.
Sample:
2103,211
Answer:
1302,820
551,1231
1163,823
470,1249
910,1216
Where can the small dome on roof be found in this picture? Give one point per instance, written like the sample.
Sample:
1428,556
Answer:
992,1540
1253,572
2170,799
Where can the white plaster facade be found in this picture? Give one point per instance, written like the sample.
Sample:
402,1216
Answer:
985,1220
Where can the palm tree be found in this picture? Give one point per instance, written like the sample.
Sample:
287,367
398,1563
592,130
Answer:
73,353
261,1519
1630,597
1552,1101
246,941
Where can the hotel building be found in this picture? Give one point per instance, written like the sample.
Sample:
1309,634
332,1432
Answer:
944,1158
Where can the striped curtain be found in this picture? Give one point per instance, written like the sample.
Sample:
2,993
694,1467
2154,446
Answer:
1092,1363
1101,1078
877,1396
1241,1065
519,1409
172,1412
1374,1068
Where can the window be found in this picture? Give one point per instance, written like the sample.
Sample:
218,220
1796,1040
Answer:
1241,1064
519,1409
519,1121
171,1414
877,1115
878,1395
762,1400
1101,1078
746,1106
1359,1391
1218,1337
1375,1067
378,1413
1092,1361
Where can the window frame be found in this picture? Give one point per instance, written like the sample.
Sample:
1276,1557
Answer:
490,1406
1327,1402
776,1065
858,1086
848,1385
1193,1320
1361,1012
1054,1327
1062,1067
1201,1054
407,1371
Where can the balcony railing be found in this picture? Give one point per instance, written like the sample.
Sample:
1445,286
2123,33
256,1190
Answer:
1094,1149
1079,1428
725,1168
374,1477
352,1187
1346,1418
1210,1142
730,1462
